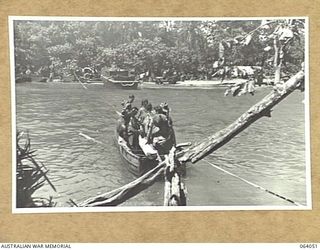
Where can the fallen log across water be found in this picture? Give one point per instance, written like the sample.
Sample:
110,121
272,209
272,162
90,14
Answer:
120,195
197,151
263,108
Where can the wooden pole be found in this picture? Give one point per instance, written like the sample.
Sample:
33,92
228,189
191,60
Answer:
167,184
175,194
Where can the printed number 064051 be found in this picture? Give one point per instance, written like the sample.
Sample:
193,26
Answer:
314,246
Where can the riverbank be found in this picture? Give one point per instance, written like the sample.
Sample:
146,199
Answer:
190,84
197,84
202,84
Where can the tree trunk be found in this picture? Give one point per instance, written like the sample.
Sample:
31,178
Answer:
277,74
120,195
262,108
277,63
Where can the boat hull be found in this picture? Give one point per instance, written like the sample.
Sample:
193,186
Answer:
119,84
137,163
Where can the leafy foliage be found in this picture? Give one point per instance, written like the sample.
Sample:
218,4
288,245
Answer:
31,176
188,47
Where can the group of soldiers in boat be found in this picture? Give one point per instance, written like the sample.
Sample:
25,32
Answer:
151,124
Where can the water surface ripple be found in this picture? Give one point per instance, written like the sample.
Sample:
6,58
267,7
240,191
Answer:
270,152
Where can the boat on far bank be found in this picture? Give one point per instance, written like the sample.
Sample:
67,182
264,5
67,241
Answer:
119,78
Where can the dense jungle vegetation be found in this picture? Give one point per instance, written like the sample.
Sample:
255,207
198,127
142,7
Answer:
194,48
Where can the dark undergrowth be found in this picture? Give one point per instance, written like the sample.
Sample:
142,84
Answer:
30,175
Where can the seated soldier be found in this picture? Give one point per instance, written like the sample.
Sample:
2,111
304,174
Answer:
166,112
163,138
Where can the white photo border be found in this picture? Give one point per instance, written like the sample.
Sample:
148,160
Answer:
308,176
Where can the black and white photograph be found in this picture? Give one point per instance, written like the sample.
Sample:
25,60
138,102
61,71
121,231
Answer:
159,114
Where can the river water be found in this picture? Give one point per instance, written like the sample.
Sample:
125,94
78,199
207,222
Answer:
270,153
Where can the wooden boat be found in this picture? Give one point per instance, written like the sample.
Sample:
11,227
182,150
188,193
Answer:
87,75
166,80
136,161
144,156
119,78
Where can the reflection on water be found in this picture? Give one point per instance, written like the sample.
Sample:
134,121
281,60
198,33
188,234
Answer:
270,152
